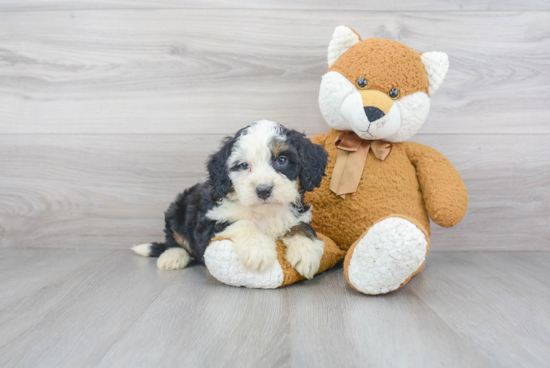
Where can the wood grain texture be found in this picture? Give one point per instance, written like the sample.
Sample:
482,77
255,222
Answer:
472,291
343,328
111,191
74,320
215,70
118,310
19,280
209,325
392,5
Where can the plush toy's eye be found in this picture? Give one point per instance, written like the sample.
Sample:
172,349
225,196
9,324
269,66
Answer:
282,160
362,83
244,166
394,93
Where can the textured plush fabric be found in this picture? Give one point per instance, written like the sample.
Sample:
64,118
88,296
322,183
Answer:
442,187
352,248
386,187
437,66
332,255
224,265
229,270
414,181
385,64
342,39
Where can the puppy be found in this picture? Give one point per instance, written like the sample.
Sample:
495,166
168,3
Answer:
254,196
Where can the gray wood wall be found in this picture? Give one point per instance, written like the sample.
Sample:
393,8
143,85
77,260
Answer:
108,108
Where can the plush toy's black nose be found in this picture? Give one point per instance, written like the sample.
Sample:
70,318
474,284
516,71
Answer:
264,191
373,113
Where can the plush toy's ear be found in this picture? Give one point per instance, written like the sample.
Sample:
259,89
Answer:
218,172
342,39
313,159
437,65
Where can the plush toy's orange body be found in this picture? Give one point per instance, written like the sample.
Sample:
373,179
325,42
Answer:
412,182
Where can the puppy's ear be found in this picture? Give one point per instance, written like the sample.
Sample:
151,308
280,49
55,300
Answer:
218,174
313,160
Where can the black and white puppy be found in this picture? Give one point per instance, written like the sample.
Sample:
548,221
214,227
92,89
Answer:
254,196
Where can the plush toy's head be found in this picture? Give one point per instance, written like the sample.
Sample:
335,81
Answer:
378,88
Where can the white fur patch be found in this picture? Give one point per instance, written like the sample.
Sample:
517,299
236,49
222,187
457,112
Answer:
304,254
437,66
223,263
256,250
335,88
386,256
142,249
414,110
272,220
342,39
173,259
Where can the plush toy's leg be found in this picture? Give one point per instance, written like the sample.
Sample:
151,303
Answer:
387,255
222,263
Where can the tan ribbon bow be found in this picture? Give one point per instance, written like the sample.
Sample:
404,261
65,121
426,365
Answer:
350,161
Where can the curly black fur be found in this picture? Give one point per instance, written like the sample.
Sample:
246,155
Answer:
313,158
187,216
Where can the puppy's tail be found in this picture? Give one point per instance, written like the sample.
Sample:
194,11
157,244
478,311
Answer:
150,249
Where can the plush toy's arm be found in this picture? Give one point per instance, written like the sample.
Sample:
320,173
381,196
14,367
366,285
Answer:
442,187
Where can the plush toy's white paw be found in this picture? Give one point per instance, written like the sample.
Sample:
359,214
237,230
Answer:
304,254
224,264
173,259
256,254
390,252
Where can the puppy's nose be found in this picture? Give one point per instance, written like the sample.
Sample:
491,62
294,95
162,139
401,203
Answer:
264,191
373,113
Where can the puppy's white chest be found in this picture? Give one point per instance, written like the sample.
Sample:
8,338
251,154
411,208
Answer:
272,220
275,224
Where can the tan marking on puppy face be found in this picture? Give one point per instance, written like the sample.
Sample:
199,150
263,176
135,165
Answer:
385,64
277,146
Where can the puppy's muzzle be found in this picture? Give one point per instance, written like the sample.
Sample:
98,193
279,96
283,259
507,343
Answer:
264,191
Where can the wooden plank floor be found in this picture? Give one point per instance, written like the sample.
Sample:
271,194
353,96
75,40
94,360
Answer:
110,308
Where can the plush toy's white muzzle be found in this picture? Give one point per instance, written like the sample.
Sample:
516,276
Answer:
343,108
355,113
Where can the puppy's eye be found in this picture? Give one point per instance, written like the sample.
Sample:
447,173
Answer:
362,83
244,166
282,160
393,93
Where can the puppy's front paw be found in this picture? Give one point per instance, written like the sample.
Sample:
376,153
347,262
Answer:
304,254
256,254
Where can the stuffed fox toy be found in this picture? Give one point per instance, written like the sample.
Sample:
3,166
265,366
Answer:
373,206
